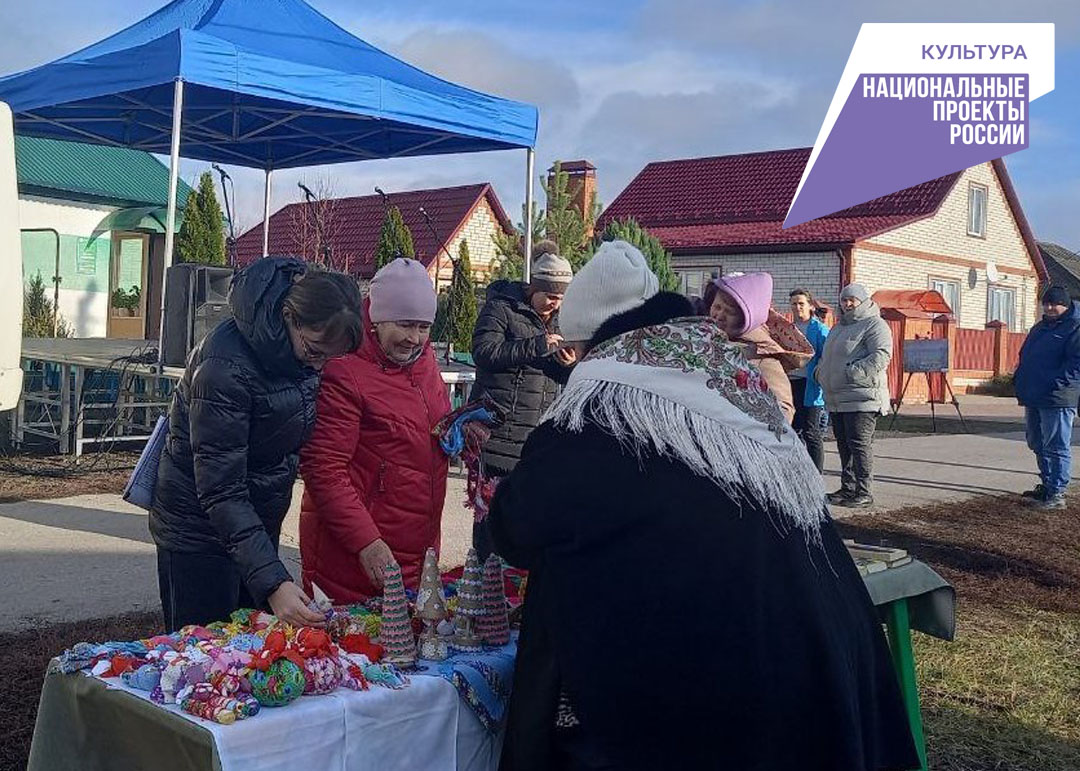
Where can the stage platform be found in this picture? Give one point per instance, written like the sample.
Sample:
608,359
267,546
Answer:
85,391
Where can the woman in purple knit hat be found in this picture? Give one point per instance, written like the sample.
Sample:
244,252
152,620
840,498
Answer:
741,305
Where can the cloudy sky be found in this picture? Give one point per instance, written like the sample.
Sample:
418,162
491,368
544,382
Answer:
628,82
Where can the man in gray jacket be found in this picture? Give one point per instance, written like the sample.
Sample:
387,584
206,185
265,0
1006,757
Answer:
852,375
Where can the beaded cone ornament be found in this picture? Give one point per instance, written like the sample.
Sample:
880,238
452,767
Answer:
470,605
396,635
431,607
494,625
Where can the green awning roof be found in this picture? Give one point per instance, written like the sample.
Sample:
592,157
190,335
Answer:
97,173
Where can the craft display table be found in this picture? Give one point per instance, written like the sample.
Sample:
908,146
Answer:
82,723
910,597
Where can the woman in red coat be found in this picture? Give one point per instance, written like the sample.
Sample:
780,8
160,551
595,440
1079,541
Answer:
374,476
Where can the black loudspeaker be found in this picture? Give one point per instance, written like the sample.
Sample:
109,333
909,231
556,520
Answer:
196,301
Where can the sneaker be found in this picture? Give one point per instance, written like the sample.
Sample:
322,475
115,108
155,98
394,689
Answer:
863,501
839,498
1038,492
1055,501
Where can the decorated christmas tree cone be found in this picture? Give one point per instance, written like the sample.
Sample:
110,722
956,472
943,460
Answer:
431,607
494,625
396,635
470,605
430,600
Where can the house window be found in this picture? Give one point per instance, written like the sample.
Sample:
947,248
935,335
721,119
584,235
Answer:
693,281
977,211
1001,306
950,290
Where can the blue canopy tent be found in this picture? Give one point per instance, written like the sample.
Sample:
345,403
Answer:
270,84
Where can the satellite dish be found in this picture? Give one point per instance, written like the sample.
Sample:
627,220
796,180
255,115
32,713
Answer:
992,274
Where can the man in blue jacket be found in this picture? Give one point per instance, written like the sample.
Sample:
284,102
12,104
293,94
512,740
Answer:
1048,386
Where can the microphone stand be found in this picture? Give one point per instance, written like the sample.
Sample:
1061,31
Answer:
456,266
230,241
323,248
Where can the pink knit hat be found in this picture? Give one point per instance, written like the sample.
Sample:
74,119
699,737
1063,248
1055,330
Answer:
752,292
402,291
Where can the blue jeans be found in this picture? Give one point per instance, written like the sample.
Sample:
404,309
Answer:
1049,436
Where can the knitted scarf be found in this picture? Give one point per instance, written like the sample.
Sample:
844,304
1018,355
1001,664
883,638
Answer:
682,390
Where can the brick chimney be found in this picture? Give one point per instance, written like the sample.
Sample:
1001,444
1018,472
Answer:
582,182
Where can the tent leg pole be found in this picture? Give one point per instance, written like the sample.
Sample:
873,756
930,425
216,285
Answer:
170,218
266,214
530,160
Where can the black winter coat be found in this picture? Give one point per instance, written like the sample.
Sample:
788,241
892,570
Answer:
687,633
238,418
1049,371
509,346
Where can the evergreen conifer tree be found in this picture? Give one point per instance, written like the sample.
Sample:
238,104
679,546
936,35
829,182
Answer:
39,316
395,240
201,238
658,257
461,304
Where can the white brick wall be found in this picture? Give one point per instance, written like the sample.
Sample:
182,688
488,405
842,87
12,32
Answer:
817,271
879,270
478,231
945,234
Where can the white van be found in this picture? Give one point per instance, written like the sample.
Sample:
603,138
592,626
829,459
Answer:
10,268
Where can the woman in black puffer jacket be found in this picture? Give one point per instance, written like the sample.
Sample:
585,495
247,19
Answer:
239,415
520,363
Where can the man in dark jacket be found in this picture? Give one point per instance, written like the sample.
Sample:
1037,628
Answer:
1048,386
241,411
520,361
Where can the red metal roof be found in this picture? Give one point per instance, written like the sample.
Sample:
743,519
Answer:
358,221
738,201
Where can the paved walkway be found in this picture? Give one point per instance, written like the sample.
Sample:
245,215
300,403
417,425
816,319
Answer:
923,469
91,555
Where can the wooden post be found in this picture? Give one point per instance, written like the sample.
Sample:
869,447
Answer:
1001,346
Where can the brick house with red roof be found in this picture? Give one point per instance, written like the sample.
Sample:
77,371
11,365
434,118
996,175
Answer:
964,234
469,213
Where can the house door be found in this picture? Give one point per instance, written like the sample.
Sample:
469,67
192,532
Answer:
127,285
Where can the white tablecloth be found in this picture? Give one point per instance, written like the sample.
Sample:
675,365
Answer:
424,726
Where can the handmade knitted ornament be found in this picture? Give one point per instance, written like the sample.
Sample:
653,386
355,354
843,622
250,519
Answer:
246,642
362,644
364,618
282,682
339,625
233,685
209,710
145,678
386,675
323,675
207,701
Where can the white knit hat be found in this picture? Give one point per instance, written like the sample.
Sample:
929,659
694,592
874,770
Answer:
615,280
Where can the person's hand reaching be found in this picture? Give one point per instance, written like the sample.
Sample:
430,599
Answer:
290,604
373,560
